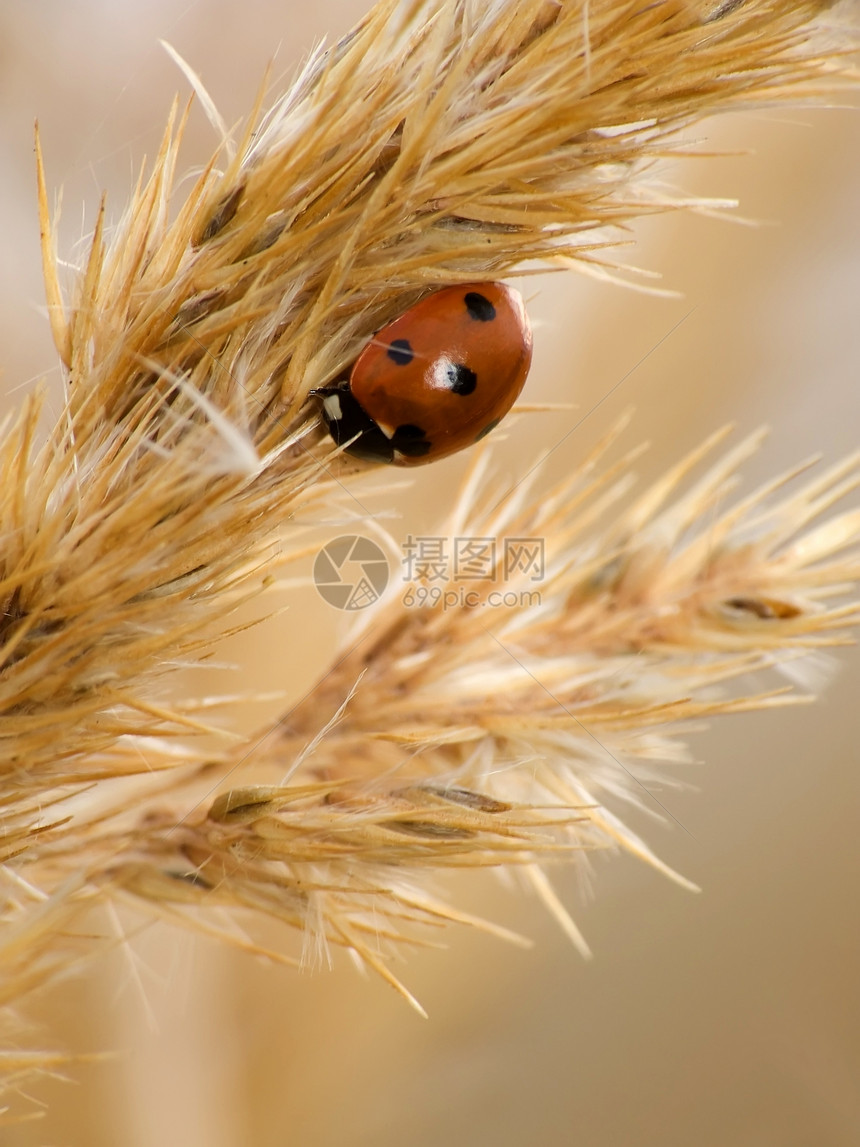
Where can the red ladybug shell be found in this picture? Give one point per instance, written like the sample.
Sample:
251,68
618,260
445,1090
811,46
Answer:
445,372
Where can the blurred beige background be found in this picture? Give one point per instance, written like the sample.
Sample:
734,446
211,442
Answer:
727,1018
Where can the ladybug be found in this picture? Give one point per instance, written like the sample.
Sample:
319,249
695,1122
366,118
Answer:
436,379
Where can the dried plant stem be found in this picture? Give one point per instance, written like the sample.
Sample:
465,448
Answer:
439,142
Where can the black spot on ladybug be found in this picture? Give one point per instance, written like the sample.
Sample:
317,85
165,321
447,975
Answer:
487,429
400,352
460,378
411,440
414,449
372,446
479,307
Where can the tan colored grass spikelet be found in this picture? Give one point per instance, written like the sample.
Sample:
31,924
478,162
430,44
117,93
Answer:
468,735
437,143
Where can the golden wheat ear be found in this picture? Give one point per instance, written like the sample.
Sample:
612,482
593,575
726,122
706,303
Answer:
438,143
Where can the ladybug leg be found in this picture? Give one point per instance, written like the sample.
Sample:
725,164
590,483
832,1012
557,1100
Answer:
347,422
